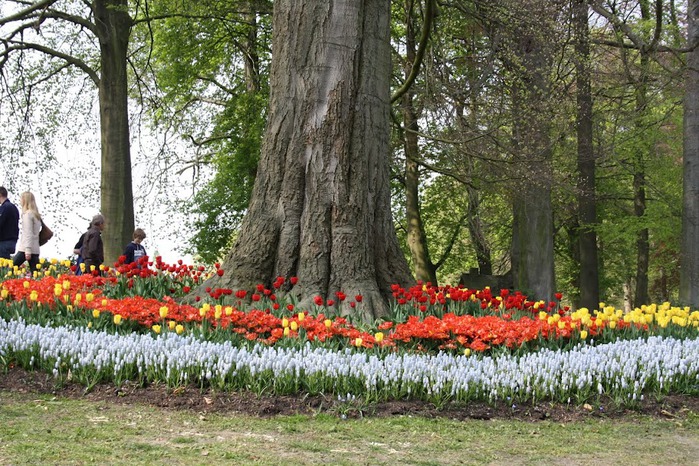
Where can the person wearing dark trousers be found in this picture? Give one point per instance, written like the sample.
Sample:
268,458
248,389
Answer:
93,248
28,249
9,225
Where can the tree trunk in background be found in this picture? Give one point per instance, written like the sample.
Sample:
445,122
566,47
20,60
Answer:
689,270
320,208
587,203
639,176
251,61
533,266
417,238
113,25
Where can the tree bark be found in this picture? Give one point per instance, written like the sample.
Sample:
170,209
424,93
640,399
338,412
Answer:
113,26
639,176
417,238
587,202
533,257
689,270
320,208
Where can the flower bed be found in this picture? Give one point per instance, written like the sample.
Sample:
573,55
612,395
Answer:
439,344
623,370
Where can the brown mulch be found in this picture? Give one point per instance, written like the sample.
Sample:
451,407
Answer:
211,401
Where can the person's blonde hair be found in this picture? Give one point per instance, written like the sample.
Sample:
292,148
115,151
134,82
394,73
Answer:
28,203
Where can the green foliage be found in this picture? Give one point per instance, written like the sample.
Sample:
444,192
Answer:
215,97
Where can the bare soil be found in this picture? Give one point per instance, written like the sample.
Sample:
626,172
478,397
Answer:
211,401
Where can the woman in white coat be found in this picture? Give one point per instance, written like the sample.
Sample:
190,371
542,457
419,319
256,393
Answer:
28,247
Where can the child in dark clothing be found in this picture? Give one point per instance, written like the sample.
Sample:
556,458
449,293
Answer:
134,250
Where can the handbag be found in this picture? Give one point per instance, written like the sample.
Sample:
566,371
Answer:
45,234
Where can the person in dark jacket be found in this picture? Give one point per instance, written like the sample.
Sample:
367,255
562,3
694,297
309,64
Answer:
78,251
9,225
93,248
134,250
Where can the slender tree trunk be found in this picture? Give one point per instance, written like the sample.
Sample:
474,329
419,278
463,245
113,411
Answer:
251,58
475,230
320,208
689,270
639,176
417,238
587,203
113,25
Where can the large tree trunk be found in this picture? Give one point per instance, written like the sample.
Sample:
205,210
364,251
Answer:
689,271
533,266
113,25
320,208
587,204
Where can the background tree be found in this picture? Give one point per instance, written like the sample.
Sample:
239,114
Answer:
689,271
211,67
35,28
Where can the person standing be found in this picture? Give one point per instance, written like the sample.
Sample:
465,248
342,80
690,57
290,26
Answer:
9,225
135,250
28,249
78,251
93,248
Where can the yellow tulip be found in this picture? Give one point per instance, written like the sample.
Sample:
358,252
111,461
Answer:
229,310
285,322
4,293
358,342
328,323
286,331
612,324
171,325
25,284
294,325
467,351
378,337
163,312
104,302
89,297
156,328
583,334
301,316
34,295
117,319
179,329
95,313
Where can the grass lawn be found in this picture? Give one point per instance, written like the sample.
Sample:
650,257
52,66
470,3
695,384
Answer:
42,429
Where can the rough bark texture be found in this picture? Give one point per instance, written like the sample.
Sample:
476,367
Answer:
320,208
587,204
689,271
113,25
532,248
